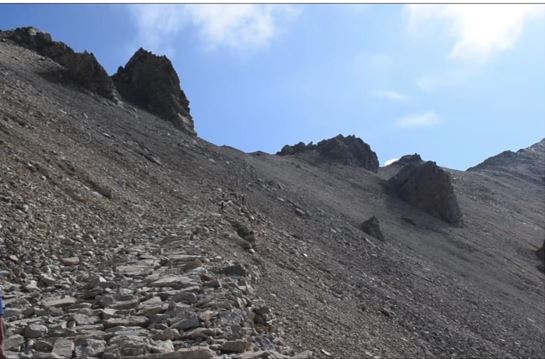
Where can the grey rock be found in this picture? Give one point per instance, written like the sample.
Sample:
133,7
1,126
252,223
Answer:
234,346
236,269
176,282
63,348
187,320
14,342
128,321
86,348
35,331
185,297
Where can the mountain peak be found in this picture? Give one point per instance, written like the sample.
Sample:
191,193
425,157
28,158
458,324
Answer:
150,81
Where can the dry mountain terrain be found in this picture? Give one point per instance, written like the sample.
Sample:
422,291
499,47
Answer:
126,235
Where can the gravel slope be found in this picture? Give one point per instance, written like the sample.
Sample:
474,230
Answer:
81,173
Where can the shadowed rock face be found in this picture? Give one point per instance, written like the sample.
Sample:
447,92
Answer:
349,150
428,187
83,68
151,82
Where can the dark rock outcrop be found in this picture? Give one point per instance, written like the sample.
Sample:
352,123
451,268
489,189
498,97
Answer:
541,255
372,228
150,81
409,160
428,187
349,150
83,68
297,148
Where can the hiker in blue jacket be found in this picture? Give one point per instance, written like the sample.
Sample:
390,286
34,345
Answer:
2,354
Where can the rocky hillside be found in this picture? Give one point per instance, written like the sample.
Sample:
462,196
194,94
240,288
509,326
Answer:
527,163
125,235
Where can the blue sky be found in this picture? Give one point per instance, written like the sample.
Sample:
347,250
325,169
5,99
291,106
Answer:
455,83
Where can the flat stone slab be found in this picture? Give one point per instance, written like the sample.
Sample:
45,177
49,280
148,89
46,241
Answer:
174,281
70,261
135,270
63,348
60,302
183,258
130,321
186,353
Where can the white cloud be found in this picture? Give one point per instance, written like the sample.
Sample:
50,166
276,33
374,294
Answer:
242,26
393,96
425,119
479,31
389,162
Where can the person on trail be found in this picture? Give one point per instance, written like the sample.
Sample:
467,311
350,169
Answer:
2,354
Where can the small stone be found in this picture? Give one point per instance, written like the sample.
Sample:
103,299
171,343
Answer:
35,331
185,297
300,212
176,282
14,342
235,270
90,348
167,334
234,346
60,302
47,280
386,312
70,261
189,320
42,346
63,348
325,352
129,321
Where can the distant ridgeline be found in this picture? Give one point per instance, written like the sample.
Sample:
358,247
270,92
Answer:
147,80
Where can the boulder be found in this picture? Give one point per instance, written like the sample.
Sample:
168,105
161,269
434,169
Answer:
83,68
150,81
372,228
428,187
349,150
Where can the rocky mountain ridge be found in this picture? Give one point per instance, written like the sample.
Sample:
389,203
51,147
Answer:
126,236
147,80
528,162
349,150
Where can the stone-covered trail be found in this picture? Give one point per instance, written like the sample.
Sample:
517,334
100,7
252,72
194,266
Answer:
153,297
